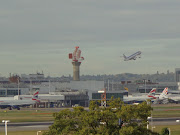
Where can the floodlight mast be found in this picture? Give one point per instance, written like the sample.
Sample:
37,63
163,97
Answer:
103,97
5,122
38,132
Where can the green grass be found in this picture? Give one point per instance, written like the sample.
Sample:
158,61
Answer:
175,129
26,116
46,115
166,107
168,113
22,133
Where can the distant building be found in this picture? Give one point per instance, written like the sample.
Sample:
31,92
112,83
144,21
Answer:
177,74
33,76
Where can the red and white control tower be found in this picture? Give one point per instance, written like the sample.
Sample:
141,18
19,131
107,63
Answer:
76,61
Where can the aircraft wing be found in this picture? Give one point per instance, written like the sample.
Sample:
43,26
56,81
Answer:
131,99
133,58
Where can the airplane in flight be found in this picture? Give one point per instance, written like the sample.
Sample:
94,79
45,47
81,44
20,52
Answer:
133,56
16,104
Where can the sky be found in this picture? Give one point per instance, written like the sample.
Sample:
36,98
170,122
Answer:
38,35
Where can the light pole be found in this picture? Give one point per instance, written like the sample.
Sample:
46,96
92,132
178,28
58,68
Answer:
145,85
49,86
18,88
169,131
148,122
153,128
108,84
151,121
38,132
5,122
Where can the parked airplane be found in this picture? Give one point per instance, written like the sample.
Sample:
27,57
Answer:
16,104
172,92
174,98
162,97
151,95
133,56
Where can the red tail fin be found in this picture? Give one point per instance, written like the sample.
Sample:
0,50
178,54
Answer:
35,96
152,93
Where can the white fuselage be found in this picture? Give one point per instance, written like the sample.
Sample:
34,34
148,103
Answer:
133,56
16,102
136,98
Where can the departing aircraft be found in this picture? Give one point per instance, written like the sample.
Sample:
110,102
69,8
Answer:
133,56
151,95
16,104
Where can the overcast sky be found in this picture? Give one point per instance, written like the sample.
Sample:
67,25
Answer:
38,35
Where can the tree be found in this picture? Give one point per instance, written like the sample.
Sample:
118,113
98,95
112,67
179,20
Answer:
165,131
103,120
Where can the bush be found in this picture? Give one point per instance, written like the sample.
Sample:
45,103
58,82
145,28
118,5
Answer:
165,131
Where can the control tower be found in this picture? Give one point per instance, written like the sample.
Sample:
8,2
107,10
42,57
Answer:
76,62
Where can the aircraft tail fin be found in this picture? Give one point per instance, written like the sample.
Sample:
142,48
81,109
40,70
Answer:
152,93
164,93
35,96
124,56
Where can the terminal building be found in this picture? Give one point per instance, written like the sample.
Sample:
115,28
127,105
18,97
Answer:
57,93
60,94
54,94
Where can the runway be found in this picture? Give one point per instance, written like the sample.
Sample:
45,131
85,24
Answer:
165,121
27,126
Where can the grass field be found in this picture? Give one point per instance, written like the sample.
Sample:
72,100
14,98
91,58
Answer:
46,115
166,111
166,106
23,133
175,129
26,115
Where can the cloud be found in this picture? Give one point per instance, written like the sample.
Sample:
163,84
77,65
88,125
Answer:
44,32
